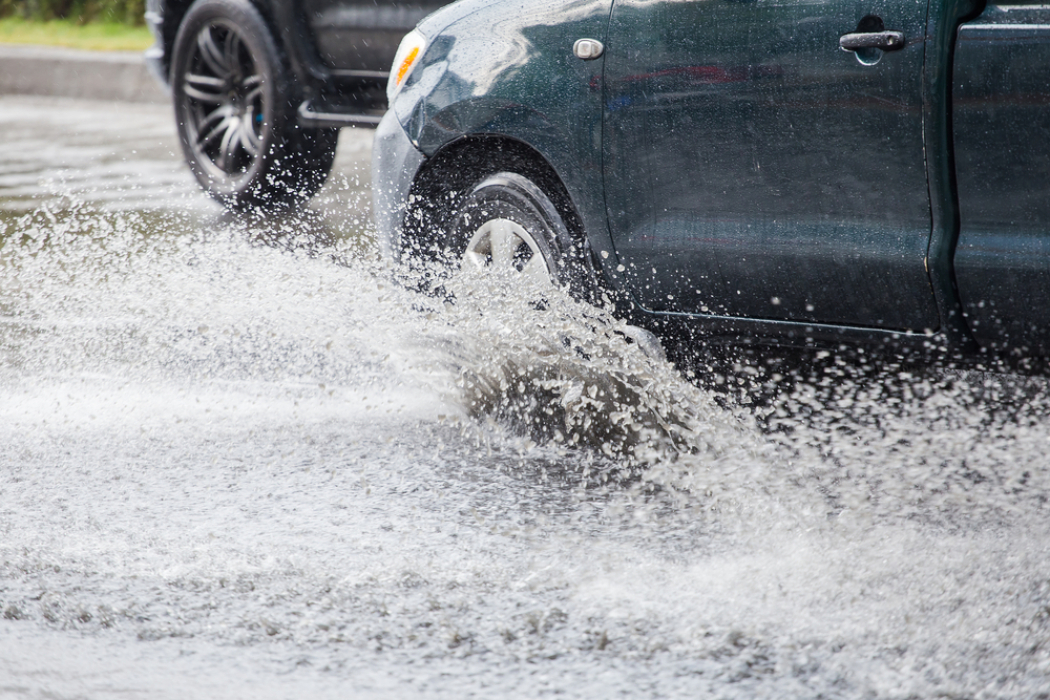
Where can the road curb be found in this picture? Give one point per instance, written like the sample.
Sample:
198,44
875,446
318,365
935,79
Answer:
58,72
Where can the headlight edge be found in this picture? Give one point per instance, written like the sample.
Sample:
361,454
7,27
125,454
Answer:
405,60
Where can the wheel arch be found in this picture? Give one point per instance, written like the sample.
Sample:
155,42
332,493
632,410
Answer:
448,175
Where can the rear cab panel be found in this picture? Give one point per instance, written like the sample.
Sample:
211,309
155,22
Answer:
1001,138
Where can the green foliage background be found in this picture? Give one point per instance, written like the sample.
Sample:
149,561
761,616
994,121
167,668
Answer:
128,12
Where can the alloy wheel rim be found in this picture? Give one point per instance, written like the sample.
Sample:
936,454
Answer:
505,247
225,101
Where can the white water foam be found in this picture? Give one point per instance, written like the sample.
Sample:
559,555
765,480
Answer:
269,472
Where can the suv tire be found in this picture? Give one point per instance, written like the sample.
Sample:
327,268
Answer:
235,108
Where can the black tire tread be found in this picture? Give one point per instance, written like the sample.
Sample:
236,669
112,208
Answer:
295,162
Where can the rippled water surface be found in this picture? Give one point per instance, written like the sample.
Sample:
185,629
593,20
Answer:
238,462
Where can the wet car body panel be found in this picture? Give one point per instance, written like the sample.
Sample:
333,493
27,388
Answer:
361,35
1001,120
761,170
519,80
861,251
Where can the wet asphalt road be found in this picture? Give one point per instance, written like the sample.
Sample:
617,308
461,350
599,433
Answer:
236,462
122,156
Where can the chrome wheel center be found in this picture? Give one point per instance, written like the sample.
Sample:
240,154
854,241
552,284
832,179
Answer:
504,247
225,100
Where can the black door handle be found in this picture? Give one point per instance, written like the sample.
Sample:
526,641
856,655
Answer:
887,41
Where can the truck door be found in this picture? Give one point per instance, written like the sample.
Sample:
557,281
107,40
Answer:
1001,127
754,168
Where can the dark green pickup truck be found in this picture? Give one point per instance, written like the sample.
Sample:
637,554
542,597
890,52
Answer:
860,171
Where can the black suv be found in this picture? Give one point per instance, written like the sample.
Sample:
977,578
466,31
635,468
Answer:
261,87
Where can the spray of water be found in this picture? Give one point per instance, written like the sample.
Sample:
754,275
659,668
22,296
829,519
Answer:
489,480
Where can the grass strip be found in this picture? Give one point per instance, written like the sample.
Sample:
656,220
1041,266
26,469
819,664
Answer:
95,36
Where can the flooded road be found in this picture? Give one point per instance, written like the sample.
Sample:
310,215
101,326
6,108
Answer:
236,462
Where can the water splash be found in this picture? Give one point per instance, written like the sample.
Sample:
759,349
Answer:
243,440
